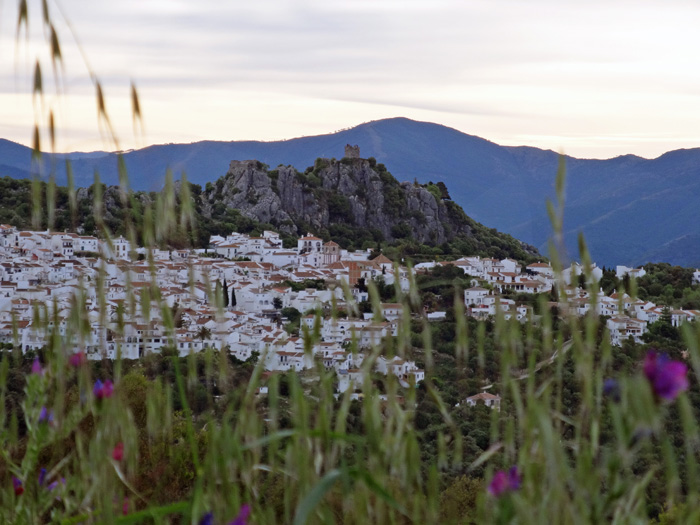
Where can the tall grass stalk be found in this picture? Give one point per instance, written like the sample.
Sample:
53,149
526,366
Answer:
301,454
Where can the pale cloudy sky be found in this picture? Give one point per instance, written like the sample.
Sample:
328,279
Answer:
593,79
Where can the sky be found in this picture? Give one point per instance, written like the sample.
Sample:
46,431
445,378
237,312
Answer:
593,79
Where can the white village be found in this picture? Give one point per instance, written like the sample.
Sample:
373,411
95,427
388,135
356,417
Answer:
259,279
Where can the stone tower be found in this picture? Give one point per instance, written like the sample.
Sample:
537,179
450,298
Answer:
352,152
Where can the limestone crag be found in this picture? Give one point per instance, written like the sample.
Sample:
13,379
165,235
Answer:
350,191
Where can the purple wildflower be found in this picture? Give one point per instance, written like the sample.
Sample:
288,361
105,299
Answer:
208,519
503,482
54,484
667,378
36,367
242,518
514,478
611,389
46,416
103,390
42,477
17,485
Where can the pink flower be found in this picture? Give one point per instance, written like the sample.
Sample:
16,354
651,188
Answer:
667,378
108,389
118,452
36,367
242,518
78,359
103,390
503,482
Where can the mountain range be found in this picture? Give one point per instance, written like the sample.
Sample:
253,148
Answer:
631,210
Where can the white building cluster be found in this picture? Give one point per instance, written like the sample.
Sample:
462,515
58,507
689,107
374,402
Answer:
44,270
627,318
49,270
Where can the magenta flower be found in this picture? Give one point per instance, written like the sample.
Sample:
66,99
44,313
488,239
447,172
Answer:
667,378
36,367
78,359
108,389
503,482
103,390
242,518
17,485
118,452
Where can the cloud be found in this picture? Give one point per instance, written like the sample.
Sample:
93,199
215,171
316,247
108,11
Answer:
558,68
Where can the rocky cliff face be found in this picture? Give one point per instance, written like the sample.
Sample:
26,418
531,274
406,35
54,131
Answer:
355,192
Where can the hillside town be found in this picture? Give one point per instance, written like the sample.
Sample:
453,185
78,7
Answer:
259,280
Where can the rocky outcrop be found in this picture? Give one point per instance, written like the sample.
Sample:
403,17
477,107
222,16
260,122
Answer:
353,191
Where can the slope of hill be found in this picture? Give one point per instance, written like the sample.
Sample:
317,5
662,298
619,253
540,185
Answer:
355,202
627,207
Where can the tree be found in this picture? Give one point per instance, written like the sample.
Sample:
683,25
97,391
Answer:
582,281
443,191
458,500
233,297
225,292
663,328
277,303
204,333
292,314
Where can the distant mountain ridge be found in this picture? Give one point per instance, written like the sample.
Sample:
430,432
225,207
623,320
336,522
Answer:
631,210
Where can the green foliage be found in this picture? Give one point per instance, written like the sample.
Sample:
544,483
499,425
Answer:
318,284
432,188
438,190
394,195
669,285
339,208
401,231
